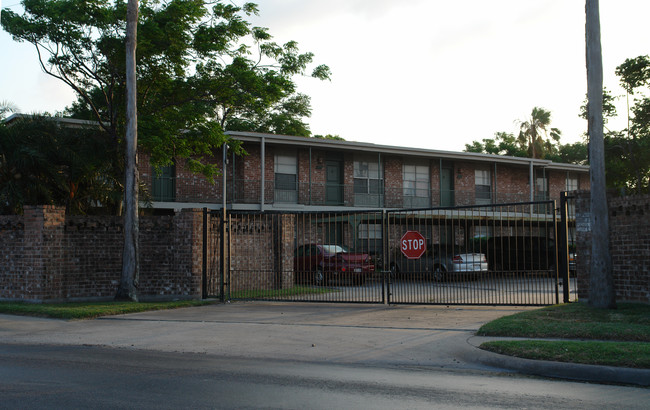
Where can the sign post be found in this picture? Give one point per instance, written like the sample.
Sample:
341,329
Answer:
413,244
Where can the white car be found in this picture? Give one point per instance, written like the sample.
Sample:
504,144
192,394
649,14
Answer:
469,262
437,264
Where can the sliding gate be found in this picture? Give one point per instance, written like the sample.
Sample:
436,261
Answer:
476,255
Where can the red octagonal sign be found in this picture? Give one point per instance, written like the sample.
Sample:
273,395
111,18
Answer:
413,244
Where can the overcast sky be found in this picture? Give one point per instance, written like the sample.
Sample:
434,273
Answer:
422,73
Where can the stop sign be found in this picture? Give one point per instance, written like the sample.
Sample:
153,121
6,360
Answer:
413,244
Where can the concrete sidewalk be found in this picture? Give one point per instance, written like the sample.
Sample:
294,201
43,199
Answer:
335,333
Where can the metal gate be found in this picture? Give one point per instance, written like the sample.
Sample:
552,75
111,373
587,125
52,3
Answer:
505,254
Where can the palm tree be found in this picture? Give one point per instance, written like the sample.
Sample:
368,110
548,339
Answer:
536,135
7,107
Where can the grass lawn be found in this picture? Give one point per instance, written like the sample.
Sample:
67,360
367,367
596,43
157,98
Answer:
618,337
625,354
89,310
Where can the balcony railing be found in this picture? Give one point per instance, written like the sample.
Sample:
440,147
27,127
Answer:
196,189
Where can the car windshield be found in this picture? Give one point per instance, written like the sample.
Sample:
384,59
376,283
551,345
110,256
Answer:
334,249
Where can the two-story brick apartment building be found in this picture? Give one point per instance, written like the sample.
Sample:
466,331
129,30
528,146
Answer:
283,172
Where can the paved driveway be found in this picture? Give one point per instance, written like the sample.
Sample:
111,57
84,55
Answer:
334,333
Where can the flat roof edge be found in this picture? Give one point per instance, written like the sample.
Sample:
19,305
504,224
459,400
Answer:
397,150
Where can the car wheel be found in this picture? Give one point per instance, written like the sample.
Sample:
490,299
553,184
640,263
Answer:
439,273
319,277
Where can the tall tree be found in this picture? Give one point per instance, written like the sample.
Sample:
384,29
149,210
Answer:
601,281
634,144
536,131
127,289
201,65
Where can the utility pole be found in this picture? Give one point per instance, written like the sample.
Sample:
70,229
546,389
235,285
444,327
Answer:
601,280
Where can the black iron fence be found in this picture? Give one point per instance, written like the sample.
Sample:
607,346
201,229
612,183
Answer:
505,254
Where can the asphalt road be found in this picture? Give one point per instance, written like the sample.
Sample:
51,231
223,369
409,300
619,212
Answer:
284,355
45,376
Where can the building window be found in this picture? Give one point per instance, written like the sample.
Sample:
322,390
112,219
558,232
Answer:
163,184
368,182
370,231
415,185
541,186
286,178
483,186
572,183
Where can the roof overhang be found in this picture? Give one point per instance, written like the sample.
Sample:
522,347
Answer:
327,144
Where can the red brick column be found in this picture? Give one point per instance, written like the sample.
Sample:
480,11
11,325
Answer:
288,223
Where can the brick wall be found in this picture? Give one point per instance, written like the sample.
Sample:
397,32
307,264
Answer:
12,257
512,181
464,186
50,257
512,184
629,236
261,251
393,183
190,186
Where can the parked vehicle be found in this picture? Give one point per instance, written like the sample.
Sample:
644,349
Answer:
439,263
320,264
521,253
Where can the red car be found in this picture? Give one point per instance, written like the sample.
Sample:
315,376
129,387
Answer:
318,264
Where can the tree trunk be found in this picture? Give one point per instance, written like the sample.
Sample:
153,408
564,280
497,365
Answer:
601,281
130,264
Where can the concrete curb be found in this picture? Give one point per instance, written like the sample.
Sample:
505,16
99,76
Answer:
570,371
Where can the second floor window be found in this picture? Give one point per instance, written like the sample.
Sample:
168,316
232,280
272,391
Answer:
286,178
368,177
483,186
571,183
541,186
164,183
416,181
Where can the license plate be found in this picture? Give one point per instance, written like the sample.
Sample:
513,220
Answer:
357,270
477,267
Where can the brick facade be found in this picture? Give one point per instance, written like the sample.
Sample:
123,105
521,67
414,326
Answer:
629,236
48,256
509,182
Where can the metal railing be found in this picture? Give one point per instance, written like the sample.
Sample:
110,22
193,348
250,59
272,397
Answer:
245,191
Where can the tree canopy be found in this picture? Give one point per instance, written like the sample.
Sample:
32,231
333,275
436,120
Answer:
202,69
627,151
536,138
43,161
